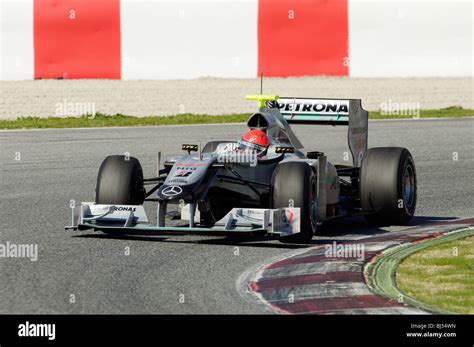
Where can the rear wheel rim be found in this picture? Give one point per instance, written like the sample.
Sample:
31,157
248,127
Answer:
408,186
313,210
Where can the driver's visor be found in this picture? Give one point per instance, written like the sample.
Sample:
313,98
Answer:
249,147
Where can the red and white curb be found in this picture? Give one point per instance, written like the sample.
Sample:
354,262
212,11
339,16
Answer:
312,282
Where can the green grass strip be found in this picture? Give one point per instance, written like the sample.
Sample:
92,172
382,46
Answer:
119,120
381,273
450,112
438,277
102,120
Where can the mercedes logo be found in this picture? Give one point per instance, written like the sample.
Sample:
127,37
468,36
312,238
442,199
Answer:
172,191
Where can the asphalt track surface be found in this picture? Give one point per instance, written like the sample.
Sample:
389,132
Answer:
58,165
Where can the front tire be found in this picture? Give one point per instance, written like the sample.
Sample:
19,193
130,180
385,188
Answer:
388,186
296,181
120,181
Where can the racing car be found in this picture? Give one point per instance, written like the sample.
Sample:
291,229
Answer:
261,184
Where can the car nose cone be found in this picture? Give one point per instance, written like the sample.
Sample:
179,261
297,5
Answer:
171,191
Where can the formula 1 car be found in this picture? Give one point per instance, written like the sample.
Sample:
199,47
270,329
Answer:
285,193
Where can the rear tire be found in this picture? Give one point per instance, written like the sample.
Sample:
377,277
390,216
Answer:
120,181
296,181
388,186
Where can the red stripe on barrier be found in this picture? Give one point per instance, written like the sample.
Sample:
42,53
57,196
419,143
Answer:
305,37
77,39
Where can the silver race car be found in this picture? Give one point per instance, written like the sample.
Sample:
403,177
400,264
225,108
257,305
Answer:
261,184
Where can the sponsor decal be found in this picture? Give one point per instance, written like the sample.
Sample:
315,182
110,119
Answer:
172,191
282,220
312,106
183,173
286,220
190,164
360,143
290,216
254,212
284,150
125,208
189,148
332,182
178,180
287,216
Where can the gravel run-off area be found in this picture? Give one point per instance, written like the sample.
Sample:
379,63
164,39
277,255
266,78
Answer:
46,98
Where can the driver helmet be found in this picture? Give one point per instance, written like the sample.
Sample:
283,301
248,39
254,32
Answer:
254,141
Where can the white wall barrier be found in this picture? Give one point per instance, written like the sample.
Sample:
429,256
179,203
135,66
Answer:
164,39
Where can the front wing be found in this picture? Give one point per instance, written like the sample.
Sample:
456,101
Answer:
132,219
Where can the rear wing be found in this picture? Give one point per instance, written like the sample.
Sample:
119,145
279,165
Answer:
328,112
